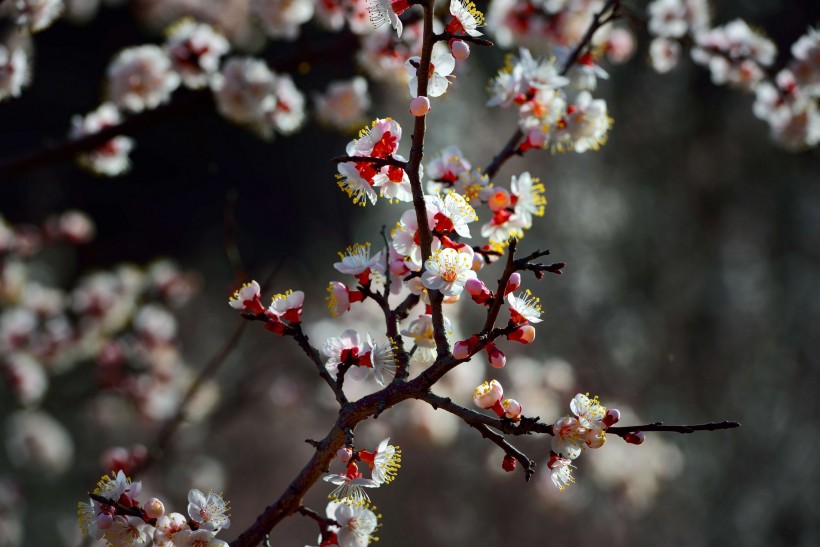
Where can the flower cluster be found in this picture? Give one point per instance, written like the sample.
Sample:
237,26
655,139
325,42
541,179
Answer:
359,359
489,395
572,434
548,117
741,57
115,515
284,310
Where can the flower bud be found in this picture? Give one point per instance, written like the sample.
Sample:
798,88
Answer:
478,290
508,464
634,438
524,334
420,106
488,394
513,283
611,417
463,348
497,358
512,409
154,508
344,454
105,520
460,49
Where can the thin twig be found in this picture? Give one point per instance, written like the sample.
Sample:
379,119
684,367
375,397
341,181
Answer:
378,162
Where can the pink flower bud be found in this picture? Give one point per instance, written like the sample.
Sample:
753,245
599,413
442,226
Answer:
508,464
524,334
344,454
620,47
460,49
513,283
634,438
464,348
497,358
611,417
512,409
154,508
420,106
104,521
478,290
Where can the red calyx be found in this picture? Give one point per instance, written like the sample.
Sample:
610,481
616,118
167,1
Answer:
509,464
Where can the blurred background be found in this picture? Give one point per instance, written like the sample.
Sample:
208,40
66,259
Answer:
690,294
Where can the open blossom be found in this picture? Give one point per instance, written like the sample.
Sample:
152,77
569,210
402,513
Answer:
340,297
446,168
585,126
423,335
529,197
38,15
357,188
141,78
287,107
452,213
209,512
248,298
561,471
243,90
382,360
14,71
388,11
735,54
406,239
384,463
524,308
282,18
195,50
110,159
357,261
394,182
676,18
198,538
348,348
441,67
466,18
380,140
128,531
167,527
344,103
357,523
664,54
287,306
350,485
448,270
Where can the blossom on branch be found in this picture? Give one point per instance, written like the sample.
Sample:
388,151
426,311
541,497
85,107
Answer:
466,18
195,50
447,271
141,78
441,67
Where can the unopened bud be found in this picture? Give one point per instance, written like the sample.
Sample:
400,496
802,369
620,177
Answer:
524,334
464,348
497,358
512,409
509,464
154,508
478,290
460,49
513,283
344,454
419,106
611,417
116,458
634,438
104,521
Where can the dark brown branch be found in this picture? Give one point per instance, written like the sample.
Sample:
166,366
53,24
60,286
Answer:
525,264
378,162
659,426
323,522
467,38
598,20
492,313
121,509
304,343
